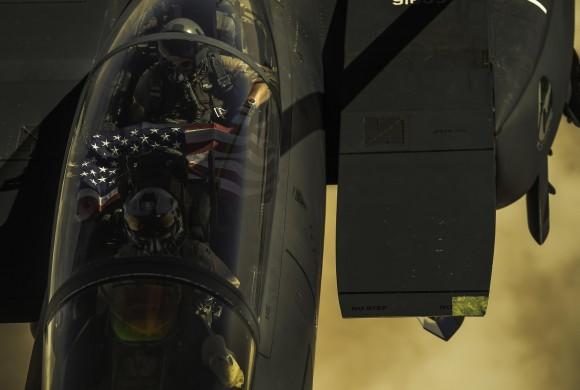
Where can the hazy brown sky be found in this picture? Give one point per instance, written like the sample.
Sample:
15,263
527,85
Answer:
530,338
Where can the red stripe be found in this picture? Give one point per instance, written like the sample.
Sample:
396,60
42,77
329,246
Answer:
210,126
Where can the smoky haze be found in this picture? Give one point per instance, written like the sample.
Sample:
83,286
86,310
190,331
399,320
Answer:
529,339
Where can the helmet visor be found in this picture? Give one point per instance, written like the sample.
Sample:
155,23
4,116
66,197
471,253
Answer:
142,311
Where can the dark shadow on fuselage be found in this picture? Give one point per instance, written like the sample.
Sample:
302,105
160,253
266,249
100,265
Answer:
343,85
26,235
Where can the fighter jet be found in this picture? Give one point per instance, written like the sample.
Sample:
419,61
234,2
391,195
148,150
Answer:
164,168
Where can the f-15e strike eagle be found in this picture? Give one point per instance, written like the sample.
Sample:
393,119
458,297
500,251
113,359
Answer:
164,163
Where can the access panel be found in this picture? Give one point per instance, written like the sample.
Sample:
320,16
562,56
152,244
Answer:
416,195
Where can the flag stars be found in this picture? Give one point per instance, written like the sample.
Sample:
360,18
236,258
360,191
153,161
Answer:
101,170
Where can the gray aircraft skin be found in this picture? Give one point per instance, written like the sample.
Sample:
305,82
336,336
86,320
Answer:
164,168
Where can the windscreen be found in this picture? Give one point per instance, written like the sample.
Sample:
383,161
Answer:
175,155
240,24
147,335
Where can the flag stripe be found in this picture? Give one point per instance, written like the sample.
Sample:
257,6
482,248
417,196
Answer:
238,158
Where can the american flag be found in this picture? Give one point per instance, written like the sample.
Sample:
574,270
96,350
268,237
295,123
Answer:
238,159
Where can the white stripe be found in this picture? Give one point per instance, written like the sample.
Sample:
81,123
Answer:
539,5
102,199
105,199
198,158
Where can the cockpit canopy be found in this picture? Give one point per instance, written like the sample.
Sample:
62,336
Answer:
164,214
166,161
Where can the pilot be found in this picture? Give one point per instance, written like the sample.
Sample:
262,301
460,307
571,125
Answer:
165,214
194,83
153,207
154,225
